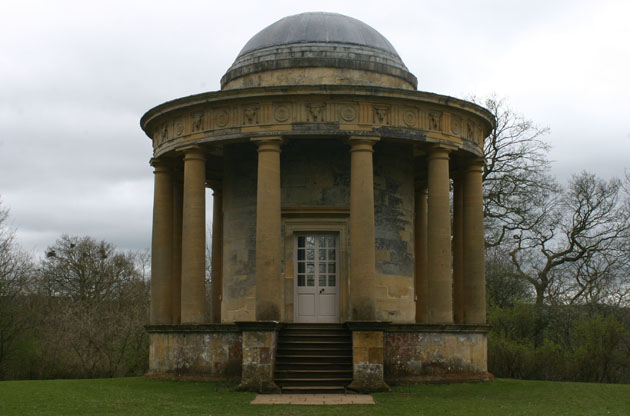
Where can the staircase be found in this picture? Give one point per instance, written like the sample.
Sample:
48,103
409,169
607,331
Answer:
313,358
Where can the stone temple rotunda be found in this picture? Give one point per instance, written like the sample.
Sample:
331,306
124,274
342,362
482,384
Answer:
347,231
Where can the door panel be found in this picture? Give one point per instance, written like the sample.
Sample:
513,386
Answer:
316,280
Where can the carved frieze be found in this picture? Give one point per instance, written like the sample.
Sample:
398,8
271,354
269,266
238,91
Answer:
221,117
410,117
435,120
198,122
362,114
381,114
250,114
179,127
456,125
315,112
347,112
281,112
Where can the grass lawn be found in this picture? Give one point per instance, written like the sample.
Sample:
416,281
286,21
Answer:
140,396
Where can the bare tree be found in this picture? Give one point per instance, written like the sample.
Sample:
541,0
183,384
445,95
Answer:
515,177
15,273
97,308
577,233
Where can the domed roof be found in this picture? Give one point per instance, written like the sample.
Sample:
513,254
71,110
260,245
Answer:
319,39
319,27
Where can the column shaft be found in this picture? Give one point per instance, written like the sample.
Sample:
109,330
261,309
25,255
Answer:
217,255
161,246
269,289
439,236
362,251
474,247
176,290
420,252
458,249
194,239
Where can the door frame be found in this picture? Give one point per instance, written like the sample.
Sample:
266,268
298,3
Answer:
325,223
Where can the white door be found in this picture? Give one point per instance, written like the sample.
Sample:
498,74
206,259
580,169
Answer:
316,278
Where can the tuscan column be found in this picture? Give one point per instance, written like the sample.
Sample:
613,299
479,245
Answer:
194,238
458,248
269,289
176,290
474,250
217,253
420,251
161,245
439,237
362,252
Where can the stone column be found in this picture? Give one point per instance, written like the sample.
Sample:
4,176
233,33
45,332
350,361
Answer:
420,252
161,245
458,248
217,253
474,246
269,292
362,291
193,303
439,237
176,292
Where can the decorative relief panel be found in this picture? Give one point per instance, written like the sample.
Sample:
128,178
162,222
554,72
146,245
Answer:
198,122
221,117
470,130
250,114
382,114
348,112
179,126
435,120
315,112
410,117
456,125
281,112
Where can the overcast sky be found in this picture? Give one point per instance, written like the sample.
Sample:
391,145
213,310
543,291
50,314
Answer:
76,76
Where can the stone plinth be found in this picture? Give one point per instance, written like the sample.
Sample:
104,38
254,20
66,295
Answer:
416,353
259,356
367,357
205,352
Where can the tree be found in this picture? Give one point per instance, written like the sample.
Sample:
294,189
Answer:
515,177
15,311
96,311
576,233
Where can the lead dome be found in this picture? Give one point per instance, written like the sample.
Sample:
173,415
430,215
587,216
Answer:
318,48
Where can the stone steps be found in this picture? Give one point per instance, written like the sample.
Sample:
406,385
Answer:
313,358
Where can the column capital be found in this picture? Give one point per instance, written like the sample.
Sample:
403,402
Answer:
475,165
362,143
193,152
440,151
268,143
160,165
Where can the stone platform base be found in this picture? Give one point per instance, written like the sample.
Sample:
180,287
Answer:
210,352
395,354
419,353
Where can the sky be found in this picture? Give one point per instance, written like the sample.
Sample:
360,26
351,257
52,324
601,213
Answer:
76,76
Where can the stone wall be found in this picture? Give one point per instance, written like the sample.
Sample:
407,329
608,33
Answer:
214,353
239,233
419,353
393,217
315,173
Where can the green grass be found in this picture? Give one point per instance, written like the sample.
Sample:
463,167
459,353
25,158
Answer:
140,396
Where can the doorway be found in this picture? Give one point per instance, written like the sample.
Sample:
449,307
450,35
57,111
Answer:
317,277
